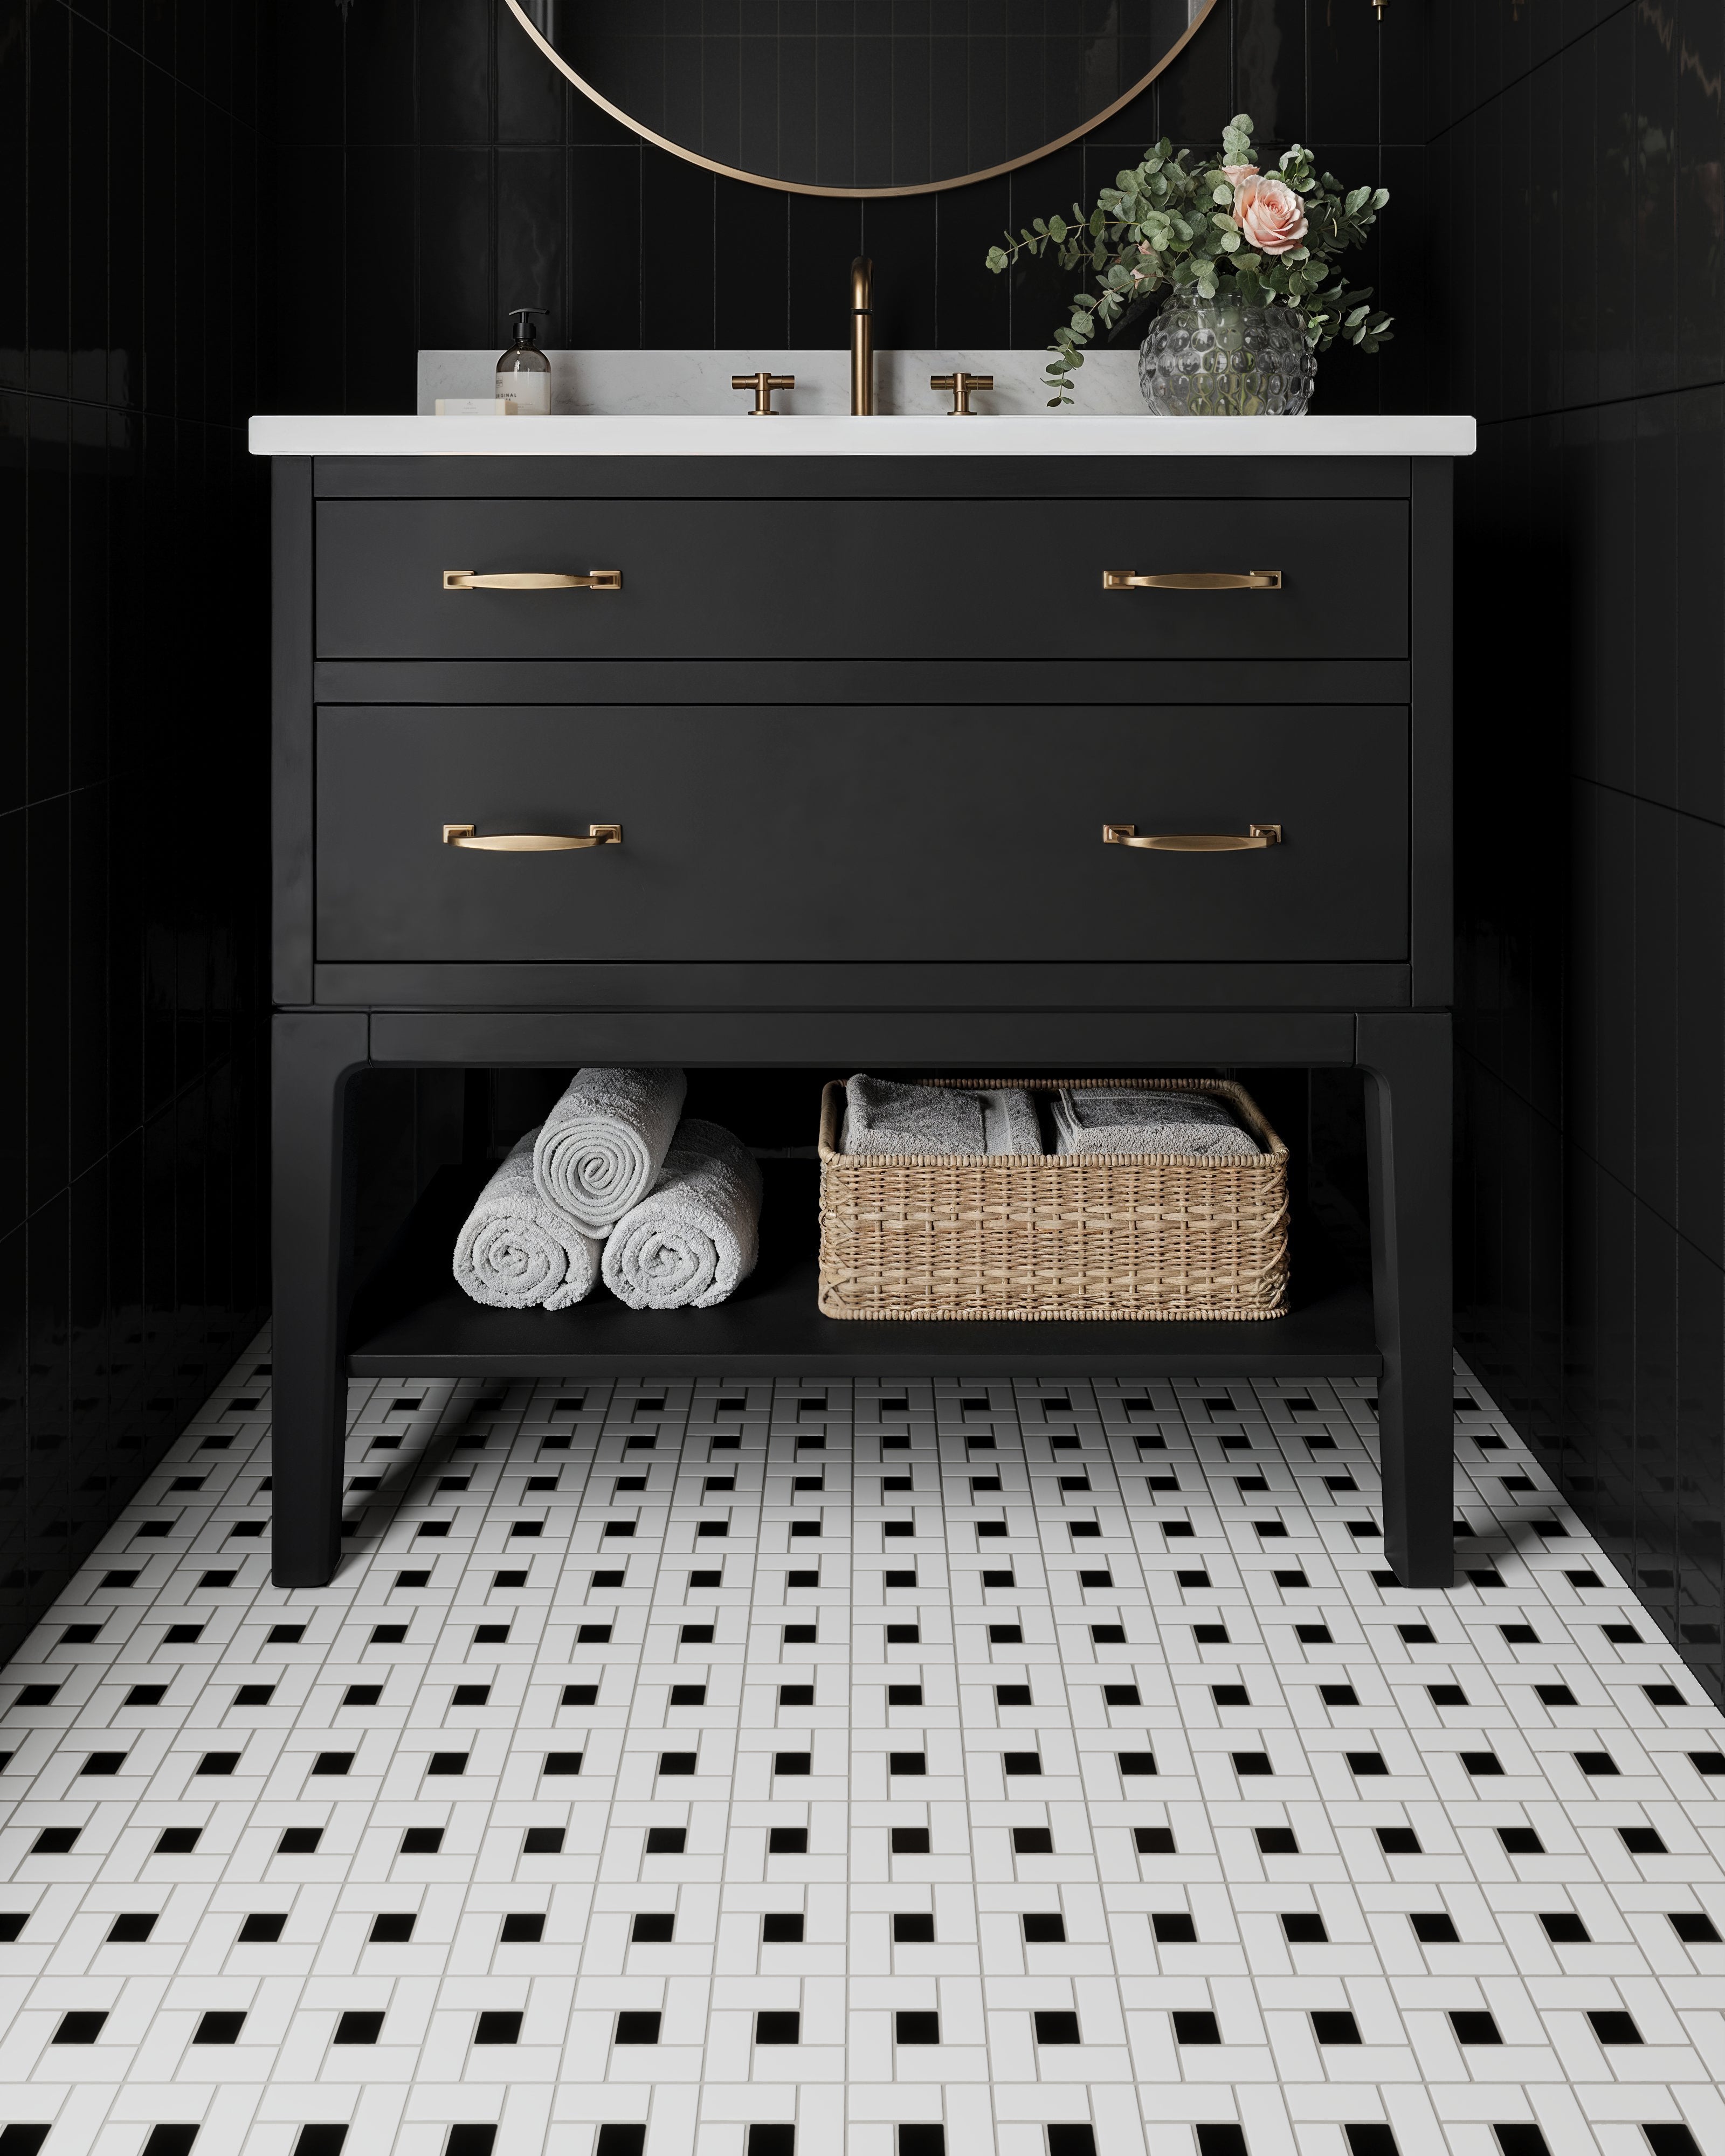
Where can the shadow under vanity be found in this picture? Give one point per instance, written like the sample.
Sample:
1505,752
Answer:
864,705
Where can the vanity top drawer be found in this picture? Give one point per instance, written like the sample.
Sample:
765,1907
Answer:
942,579
856,833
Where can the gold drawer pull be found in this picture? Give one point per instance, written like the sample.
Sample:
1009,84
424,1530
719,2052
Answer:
1195,842
1193,580
532,580
532,842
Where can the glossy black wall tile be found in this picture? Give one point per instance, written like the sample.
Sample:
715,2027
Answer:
432,170
1582,295
133,768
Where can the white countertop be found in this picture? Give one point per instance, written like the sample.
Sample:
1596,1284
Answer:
734,434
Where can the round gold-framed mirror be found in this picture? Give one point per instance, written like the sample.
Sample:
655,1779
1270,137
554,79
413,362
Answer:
877,97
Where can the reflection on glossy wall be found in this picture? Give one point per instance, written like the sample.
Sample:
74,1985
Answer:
132,713
1578,154
434,171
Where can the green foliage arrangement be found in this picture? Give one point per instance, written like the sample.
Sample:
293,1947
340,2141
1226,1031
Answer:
1166,226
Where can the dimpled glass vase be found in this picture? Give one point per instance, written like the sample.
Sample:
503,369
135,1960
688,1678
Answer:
1225,358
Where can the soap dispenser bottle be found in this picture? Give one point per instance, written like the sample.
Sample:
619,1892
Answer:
524,372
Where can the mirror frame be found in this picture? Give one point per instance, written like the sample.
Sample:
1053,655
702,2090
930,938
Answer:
860,194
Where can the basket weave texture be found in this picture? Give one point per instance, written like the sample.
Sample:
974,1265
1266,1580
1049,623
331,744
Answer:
1092,1235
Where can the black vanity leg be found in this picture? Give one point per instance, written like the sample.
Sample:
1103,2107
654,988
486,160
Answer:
312,1056
1406,1060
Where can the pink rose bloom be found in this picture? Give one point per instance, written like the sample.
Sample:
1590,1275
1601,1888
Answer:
1233,174
1271,215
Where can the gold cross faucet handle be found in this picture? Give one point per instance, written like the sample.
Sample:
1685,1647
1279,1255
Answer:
763,384
961,384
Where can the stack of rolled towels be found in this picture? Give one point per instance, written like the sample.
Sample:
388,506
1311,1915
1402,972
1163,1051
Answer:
882,1116
616,1184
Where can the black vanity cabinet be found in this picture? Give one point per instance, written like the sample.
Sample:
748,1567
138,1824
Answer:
863,738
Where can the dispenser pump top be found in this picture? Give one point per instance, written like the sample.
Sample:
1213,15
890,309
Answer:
522,317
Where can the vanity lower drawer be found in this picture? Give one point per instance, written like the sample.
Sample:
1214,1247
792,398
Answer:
863,579
903,832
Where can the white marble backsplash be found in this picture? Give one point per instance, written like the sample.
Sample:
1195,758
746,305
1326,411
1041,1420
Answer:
655,382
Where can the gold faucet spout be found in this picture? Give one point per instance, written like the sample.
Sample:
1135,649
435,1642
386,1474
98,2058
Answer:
862,338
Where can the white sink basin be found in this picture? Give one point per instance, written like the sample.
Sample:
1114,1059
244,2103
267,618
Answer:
681,404
1063,434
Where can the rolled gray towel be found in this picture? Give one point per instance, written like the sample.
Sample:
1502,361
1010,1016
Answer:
1105,1119
689,1245
601,1148
883,1118
518,1252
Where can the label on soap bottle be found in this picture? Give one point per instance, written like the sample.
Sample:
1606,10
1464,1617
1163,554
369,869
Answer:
532,392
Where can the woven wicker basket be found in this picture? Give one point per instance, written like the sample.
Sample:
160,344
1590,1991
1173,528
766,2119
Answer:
1093,1236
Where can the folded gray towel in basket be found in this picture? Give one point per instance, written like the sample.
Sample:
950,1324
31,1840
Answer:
602,1147
517,1250
1123,1119
698,1234
884,1117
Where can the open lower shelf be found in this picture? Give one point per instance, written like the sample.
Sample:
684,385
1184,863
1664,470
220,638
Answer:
413,1319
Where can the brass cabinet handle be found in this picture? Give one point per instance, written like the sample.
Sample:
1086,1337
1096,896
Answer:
1195,842
1193,580
532,580
532,842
